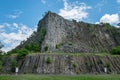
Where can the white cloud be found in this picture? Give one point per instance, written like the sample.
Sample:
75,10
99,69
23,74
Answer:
4,25
12,16
112,19
74,10
15,25
118,1
15,15
97,23
43,1
1,26
12,39
7,24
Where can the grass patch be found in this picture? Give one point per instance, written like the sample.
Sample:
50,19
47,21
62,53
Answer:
60,77
74,54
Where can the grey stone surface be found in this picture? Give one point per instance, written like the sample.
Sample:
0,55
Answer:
72,36
65,64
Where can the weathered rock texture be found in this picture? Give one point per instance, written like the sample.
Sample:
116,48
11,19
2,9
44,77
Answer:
65,64
70,36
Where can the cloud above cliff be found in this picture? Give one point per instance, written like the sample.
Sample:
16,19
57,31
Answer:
15,14
75,10
12,39
112,19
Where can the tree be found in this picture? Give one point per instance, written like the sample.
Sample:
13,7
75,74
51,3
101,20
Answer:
1,62
118,24
1,45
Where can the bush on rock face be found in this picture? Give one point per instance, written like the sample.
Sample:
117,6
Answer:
116,50
13,65
49,60
22,53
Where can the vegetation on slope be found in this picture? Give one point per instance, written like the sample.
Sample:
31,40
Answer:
116,50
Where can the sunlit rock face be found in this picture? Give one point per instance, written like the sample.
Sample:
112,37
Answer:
70,36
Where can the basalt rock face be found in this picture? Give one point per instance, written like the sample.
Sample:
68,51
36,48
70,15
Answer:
70,36
64,64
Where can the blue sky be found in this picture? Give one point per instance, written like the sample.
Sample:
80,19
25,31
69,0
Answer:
19,18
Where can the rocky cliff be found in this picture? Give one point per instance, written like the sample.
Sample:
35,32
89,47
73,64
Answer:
64,64
61,35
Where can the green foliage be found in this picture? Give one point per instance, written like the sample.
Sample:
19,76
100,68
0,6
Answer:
103,50
1,45
58,45
61,77
22,53
13,65
108,65
107,26
32,47
1,56
13,51
116,50
42,35
36,48
70,43
74,65
49,60
46,48
1,65
91,27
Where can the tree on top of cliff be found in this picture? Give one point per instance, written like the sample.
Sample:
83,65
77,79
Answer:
1,45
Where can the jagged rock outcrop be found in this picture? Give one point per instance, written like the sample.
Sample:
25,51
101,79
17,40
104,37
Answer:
70,36
64,64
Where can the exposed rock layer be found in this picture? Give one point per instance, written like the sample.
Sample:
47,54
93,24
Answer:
65,64
70,36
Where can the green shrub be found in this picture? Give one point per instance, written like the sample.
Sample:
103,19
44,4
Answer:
22,53
49,60
116,50
13,65
108,65
74,65
42,34
46,48
1,65
58,45
13,51
70,43
32,47
1,56
36,47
